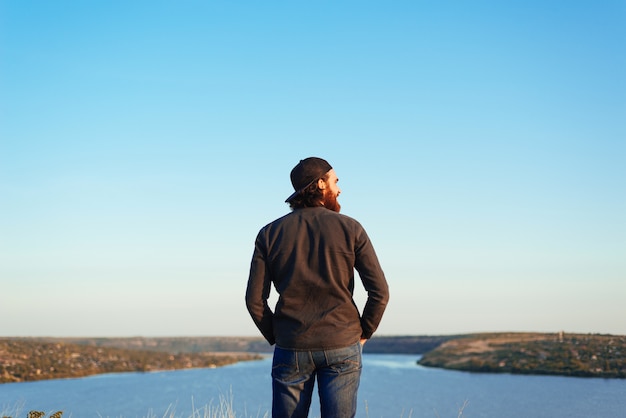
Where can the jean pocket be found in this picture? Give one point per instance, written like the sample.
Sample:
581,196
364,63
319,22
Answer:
284,364
345,359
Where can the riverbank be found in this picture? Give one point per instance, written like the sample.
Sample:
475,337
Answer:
563,354
30,360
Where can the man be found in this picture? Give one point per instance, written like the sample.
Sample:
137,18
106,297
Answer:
310,255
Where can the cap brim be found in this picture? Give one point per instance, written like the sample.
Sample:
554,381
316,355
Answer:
294,194
291,197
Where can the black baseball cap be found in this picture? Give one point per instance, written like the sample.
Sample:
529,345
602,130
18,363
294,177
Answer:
306,172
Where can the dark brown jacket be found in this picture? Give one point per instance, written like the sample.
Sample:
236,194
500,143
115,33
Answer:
310,256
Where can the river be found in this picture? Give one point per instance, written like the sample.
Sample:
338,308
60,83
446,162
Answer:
391,386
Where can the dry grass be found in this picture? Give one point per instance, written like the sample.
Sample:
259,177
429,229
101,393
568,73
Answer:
222,409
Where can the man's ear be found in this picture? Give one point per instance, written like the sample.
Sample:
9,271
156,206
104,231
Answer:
321,184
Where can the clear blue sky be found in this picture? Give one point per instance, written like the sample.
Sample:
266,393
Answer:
143,145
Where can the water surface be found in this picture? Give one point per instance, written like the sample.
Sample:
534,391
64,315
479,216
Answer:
391,386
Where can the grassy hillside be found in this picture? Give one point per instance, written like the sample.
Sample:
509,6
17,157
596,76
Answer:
584,355
30,359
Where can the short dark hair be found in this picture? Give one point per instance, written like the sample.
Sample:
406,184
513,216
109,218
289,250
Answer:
310,197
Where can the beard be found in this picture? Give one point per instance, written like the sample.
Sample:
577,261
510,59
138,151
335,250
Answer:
330,201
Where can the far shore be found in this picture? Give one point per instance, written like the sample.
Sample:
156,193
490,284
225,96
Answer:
560,353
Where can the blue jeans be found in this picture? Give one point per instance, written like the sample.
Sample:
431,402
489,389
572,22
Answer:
338,374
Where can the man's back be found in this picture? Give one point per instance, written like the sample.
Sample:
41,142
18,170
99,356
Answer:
310,256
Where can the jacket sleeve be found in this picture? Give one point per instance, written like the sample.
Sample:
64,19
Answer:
374,282
258,291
